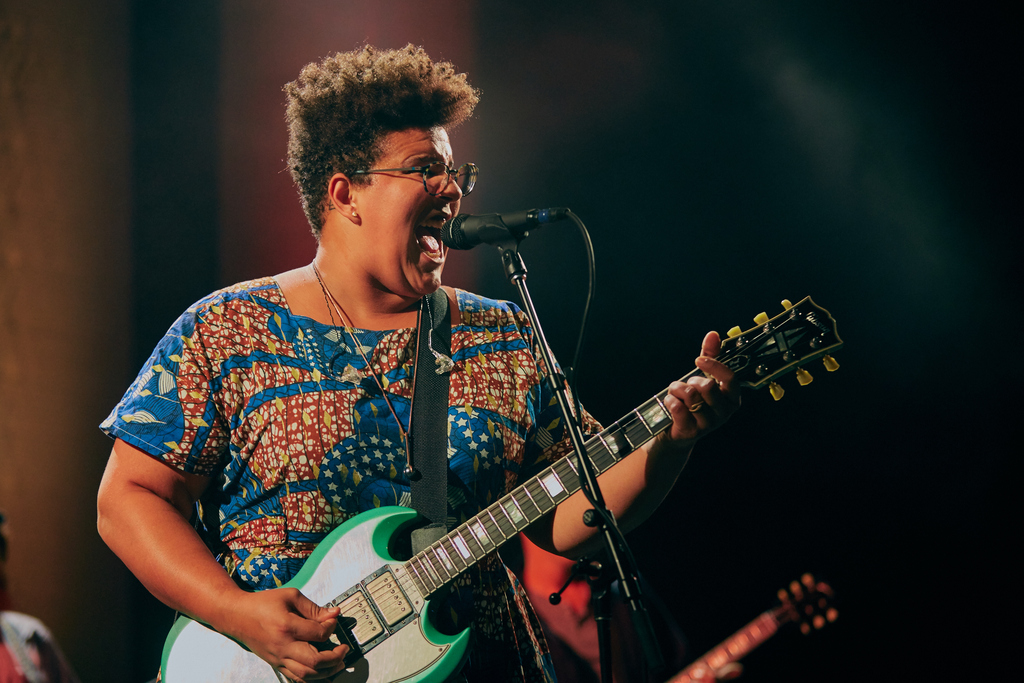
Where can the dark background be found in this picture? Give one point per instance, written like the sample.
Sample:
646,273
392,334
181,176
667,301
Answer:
727,155
724,156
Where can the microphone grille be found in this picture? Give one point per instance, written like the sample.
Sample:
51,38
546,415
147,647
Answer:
452,235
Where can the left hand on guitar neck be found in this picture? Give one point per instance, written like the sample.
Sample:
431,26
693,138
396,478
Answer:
701,404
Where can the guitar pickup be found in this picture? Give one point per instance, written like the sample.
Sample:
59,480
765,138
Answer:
367,627
389,598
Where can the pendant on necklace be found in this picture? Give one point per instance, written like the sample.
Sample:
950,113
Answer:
444,363
350,374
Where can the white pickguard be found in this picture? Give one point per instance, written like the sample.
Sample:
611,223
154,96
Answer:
198,654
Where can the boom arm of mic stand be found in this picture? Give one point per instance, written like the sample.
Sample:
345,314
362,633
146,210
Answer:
618,551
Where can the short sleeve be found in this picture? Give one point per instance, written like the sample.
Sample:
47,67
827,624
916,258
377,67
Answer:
170,411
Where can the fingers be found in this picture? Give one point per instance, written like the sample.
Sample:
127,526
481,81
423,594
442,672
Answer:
281,626
701,404
694,400
300,668
312,623
310,610
305,663
712,345
718,372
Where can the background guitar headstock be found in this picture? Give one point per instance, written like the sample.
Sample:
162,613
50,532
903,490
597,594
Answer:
775,346
808,603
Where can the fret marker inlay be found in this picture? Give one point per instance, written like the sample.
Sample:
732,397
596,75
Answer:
512,510
461,546
478,530
552,485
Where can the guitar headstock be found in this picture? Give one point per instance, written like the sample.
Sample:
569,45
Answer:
807,602
776,346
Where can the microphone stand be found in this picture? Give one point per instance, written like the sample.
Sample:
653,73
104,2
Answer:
619,556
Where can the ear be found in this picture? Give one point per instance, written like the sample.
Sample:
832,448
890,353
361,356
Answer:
341,198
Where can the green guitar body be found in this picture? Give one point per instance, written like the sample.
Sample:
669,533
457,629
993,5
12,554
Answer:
341,566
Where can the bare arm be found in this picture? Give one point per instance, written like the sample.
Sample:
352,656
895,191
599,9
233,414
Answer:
143,511
637,485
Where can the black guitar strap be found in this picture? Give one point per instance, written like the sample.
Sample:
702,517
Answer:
428,433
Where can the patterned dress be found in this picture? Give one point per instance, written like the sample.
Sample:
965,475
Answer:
283,413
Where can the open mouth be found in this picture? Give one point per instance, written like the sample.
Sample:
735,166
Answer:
429,239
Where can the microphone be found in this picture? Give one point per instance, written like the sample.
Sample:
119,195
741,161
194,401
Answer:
465,231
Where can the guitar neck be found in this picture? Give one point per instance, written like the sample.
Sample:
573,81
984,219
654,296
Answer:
733,648
440,563
801,333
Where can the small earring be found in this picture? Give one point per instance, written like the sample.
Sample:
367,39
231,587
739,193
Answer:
355,215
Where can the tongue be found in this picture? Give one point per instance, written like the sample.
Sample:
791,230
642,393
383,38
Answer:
429,243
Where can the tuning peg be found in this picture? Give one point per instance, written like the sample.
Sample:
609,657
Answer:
734,332
761,318
787,304
830,363
776,391
803,377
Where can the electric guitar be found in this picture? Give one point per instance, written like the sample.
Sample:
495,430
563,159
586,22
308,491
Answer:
384,601
807,602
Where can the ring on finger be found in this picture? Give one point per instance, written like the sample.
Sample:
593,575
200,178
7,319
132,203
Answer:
696,407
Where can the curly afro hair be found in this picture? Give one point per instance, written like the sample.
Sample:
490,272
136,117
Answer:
340,110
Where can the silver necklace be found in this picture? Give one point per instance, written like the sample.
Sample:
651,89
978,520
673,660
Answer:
444,363
351,374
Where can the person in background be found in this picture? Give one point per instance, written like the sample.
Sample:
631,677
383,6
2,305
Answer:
28,652
572,631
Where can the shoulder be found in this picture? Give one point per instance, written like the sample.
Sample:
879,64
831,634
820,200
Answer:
231,305
481,311
263,289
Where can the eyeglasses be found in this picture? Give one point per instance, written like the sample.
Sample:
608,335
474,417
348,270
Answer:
436,176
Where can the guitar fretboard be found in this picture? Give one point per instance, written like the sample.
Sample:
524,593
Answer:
463,547
759,355
731,650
